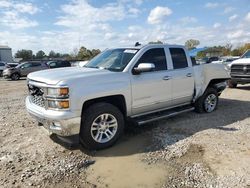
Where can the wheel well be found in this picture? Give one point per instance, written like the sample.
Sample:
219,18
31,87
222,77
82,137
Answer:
16,73
216,81
116,100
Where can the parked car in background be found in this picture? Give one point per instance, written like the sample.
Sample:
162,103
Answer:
211,59
226,60
23,69
3,66
207,60
240,70
79,63
58,64
82,63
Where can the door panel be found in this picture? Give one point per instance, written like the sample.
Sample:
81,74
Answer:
25,69
150,92
182,77
183,85
36,67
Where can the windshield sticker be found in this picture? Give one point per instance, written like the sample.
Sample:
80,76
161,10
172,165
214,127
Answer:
130,51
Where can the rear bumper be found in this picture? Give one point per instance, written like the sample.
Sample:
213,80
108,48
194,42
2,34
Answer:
63,123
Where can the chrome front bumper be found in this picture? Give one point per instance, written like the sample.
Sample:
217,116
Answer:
63,123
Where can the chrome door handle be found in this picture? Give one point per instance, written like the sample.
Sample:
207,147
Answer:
189,75
167,77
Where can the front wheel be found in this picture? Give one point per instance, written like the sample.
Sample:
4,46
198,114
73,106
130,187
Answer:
15,76
208,101
101,126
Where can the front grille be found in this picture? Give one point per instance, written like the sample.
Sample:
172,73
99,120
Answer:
36,95
38,100
240,70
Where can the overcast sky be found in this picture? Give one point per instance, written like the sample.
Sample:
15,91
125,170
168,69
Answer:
62,25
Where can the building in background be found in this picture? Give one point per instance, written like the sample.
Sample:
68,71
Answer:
6,54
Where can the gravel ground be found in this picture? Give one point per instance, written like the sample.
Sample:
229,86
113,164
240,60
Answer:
195,150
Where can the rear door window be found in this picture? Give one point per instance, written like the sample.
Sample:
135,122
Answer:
35,64
179,58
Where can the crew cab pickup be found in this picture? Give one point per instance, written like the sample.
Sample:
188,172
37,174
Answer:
240,70
143,84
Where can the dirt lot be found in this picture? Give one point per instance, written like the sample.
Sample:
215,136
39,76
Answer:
191,150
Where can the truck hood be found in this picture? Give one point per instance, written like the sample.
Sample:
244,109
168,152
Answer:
243,61
54,76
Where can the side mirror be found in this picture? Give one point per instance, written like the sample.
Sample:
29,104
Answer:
144,67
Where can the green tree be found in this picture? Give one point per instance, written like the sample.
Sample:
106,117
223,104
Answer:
227,49
84,54
244,48
156,42
52,54
95,52
236,52
201,54
192,44
40,54
24,54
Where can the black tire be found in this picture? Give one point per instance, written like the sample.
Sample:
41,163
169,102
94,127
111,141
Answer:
231,84
90,115
15,76
200,104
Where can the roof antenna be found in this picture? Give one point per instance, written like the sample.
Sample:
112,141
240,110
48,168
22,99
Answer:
137,44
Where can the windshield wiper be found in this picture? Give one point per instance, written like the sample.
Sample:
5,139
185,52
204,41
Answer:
94,67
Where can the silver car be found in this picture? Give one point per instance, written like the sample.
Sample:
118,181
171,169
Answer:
23,69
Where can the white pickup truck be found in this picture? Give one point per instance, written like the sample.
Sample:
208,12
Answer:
143,83
240,70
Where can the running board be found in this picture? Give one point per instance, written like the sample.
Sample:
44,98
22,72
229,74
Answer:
162,115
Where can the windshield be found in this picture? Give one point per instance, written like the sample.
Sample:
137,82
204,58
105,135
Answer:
113,59
246,55
19,66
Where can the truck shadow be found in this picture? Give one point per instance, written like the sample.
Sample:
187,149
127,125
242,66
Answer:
138,139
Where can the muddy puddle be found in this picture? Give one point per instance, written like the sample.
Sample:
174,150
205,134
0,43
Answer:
121,166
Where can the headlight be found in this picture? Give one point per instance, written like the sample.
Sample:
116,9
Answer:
57,92
55,104
57,98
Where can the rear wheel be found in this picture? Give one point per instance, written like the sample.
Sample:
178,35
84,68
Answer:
102,125
207,102
15,76
232,84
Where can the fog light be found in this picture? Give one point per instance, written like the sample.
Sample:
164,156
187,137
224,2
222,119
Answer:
64,104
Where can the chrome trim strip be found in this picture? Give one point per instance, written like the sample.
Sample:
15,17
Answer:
56,97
